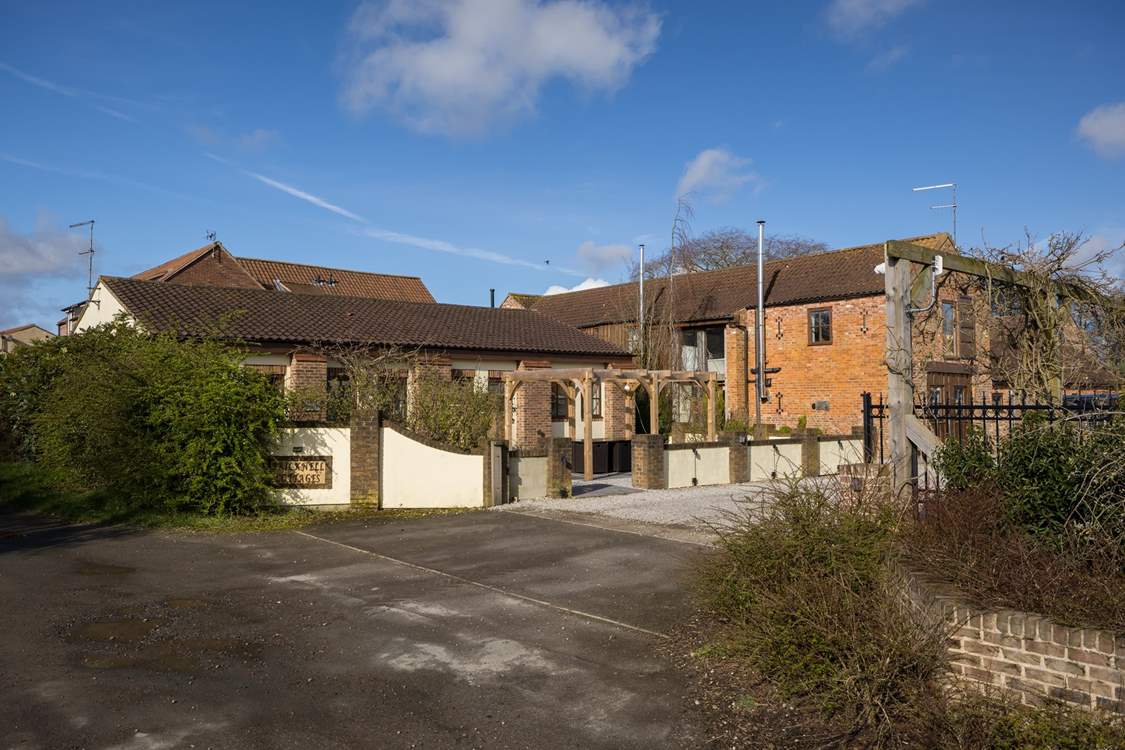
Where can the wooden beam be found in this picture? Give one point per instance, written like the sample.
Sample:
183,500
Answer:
711,427
588,426
954,262
571,393
509,392
899,356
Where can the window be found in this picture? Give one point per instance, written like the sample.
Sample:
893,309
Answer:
596,400
558,402
274,373
633,339
820,326
949,328
716,348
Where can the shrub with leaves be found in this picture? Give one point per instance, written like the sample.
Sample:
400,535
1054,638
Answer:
159,422
451,411
964,463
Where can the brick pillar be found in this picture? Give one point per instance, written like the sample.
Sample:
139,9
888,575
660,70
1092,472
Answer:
367,458
532,427
739,460
616,412
648,462
307,379
559,480
738,373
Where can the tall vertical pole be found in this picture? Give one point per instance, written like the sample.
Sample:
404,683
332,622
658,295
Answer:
641,310
760,330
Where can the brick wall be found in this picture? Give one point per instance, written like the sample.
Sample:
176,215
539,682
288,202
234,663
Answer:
532,411
835,373
617,411
307,376
216,268
1029,656
737,375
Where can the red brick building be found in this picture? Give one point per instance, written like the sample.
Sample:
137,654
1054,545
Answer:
213,265
291,334
825,331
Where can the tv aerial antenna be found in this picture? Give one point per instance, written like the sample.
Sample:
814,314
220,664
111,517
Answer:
89,253
952,205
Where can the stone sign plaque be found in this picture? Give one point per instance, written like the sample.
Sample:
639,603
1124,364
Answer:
302,472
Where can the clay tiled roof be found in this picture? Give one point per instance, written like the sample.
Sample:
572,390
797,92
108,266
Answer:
170,268
717,295
270,316
306,279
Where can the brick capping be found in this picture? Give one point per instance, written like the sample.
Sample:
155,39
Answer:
1027,655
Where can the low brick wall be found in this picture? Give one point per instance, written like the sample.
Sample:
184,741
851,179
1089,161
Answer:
1029,656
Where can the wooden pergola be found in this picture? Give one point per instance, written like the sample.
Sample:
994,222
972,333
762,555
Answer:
583,380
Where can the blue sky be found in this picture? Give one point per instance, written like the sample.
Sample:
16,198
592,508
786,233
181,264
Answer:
470,142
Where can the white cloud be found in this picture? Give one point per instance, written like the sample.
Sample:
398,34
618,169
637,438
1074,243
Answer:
888,59
715,173
1103,128
307,197
459,67
599,257
589,283
849,18
27,259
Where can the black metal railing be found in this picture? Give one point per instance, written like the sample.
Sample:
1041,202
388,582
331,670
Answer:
993,418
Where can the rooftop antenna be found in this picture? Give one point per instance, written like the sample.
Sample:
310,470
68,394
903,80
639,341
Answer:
952,205
89,251
211,235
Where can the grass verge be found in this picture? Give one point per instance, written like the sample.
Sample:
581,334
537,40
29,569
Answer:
23,488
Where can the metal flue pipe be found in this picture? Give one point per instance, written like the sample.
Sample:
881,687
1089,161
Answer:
760,330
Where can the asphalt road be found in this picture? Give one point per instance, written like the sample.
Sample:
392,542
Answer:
482,630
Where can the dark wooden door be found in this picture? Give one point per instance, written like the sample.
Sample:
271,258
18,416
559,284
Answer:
945,391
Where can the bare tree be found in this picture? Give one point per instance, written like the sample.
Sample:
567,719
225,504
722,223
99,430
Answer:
723,248
1066,326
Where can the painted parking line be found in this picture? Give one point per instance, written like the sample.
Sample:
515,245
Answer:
490,588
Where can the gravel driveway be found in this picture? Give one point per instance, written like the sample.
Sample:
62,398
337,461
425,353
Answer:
688,513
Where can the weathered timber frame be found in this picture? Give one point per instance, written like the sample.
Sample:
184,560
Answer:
908,433
583,380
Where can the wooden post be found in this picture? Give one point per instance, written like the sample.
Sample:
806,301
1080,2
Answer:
900,360
571,392
654,405
509,392
587,426
711,428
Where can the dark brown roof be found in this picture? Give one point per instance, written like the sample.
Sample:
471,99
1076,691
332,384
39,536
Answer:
717,295
269,316
299,277
170,268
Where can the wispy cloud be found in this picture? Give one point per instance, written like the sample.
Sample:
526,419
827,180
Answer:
387,235
459,67
851,18
1103,128
888,58
441,246
83,174
601,257
716,174
72,93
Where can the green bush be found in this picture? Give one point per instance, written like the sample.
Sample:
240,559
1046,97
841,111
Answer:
965,463
1064,475
159,422
451,411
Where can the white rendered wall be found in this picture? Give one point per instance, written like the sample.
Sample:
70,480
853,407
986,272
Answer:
319,441
417,476
527,477
103,307
776,458
836,452
706,466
